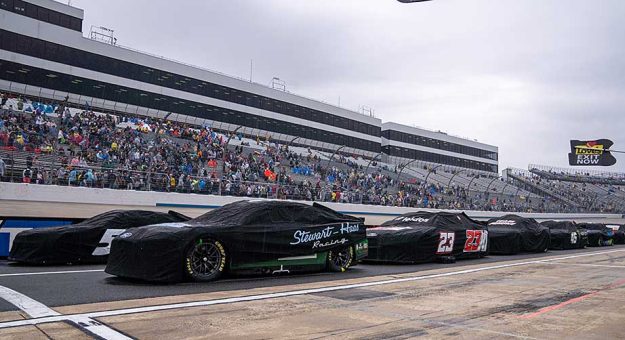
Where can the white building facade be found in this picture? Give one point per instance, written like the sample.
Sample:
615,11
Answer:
44,54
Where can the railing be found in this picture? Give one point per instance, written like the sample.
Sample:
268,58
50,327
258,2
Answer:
584,200
106,177
580,177
45,170
578,172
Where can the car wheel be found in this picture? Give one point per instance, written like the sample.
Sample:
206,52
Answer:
339,260
205,260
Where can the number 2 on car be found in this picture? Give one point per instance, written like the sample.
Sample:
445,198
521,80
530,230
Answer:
446,243
477,240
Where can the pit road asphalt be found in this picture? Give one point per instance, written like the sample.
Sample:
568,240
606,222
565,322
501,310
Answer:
72,285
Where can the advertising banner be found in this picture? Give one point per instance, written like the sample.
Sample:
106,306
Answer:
591,153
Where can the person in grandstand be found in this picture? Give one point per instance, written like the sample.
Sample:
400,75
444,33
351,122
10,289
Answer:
27,175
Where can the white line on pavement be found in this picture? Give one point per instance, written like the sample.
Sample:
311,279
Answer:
36,309
588,265
94,327
286,293
50,273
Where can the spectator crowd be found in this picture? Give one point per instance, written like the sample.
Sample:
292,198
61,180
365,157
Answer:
49,143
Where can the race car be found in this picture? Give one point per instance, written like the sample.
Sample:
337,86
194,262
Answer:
512,234
619,233
242,237
599,235
84,242
566,235
427,236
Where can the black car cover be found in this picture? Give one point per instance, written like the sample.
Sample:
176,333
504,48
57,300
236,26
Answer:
566,235
84,242
513,234
599,234
619,233
426,236
251,231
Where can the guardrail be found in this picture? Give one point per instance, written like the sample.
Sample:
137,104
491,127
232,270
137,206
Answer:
50,171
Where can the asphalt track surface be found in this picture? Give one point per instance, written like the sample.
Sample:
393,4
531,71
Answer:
72,285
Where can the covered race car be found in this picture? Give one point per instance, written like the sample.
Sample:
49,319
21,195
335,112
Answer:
427,236
84,242
245,236
566,235
599,234
619,233
513,234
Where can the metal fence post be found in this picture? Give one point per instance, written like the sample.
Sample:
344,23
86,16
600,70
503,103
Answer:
12,165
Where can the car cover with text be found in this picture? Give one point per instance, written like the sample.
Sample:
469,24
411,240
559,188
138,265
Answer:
513,234
566,235
84,242
427,236
599,234
260,234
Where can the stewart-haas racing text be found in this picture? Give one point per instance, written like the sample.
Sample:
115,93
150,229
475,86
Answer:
303,236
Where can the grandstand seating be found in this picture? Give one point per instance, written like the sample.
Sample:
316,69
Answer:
582,194
47,143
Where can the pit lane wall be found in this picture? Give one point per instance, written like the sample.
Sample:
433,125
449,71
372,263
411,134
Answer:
49,201
27,206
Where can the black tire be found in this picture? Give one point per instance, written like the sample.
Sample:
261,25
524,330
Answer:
446,259
341,259
205,260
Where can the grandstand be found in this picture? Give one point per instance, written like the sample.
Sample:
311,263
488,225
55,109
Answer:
81,112
77,147
47,61
574,190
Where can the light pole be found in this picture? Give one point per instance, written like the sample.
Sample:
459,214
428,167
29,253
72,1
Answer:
454,175
225,151
291,142
431,171
371,161
230,137
331,157
489,184
403,166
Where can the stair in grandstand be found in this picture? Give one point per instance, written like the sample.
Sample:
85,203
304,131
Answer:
595,191
536,188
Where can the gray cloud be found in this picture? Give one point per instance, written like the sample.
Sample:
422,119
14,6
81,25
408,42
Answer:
525,75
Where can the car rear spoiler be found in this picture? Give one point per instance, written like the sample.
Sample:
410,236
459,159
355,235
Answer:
178,215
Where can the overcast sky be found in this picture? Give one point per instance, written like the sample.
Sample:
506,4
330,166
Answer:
525,75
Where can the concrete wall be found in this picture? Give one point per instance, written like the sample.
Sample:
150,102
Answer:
31,200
